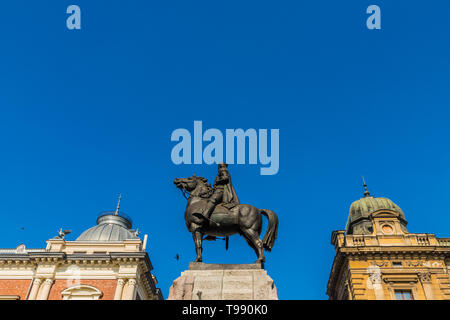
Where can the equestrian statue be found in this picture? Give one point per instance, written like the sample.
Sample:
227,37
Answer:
217,212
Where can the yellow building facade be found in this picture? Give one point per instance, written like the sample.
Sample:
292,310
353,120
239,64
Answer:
378,259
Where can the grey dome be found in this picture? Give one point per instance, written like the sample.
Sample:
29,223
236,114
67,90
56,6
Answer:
110,226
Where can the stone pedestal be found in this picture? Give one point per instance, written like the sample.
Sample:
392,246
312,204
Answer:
223,282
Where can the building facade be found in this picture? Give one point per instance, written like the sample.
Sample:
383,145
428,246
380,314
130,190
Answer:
106,262
378,259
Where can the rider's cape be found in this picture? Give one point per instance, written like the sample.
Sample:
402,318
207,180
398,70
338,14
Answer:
230,198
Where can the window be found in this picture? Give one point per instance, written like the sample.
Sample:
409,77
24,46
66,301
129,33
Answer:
396,264
81,292
403,295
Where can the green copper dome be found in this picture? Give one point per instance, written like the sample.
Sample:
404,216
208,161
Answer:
360,211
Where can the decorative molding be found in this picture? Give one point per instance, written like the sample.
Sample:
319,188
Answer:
425,277
415,263
81,292
400,278
9,297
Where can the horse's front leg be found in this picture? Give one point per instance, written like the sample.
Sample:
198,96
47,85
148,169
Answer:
197,235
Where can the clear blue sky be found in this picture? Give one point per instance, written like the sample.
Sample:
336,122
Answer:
88,114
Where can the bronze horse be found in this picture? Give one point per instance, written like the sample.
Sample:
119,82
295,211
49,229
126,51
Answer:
243,219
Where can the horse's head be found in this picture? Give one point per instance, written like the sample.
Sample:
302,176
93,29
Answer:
191,183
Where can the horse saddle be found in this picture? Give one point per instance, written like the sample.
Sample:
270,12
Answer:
221,209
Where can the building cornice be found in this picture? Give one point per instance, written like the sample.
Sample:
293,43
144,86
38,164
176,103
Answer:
379,252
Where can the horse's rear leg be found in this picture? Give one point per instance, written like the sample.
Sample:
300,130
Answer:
255,242
197,235
251,244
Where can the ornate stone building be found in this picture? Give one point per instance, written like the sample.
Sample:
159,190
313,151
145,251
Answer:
378,259
107,261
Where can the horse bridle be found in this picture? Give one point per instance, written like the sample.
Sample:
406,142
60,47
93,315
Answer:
184,192
206,194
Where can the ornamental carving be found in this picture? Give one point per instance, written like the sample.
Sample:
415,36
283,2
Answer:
382,264
425,276
415,263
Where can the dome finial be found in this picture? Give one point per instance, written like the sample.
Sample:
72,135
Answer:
118,206
366,192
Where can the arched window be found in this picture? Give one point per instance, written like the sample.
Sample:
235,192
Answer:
81,292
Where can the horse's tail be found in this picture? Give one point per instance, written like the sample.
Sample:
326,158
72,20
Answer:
272,229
